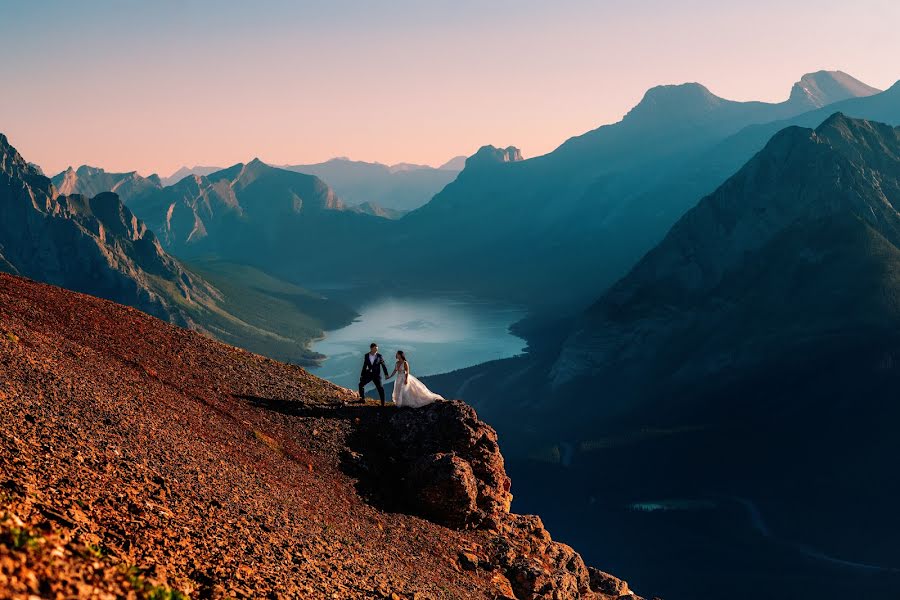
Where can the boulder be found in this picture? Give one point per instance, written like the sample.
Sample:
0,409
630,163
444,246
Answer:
445,488
606,585
450,464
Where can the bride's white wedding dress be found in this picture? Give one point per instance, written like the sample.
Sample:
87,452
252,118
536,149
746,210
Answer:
413,393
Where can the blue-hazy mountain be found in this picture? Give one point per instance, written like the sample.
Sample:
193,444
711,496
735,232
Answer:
796,252
401,187
183,172
737,384
522,230
530,230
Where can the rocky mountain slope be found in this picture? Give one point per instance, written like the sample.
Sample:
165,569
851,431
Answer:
821,204
94,245
90,181
97,246
143,460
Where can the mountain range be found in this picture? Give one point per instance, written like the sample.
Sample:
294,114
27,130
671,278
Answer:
97,246
743,367
252,213
94,245
393,189
595,204
793,253
401,187
600,200
526,231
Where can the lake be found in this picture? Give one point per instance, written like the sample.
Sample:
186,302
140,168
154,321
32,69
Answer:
437,334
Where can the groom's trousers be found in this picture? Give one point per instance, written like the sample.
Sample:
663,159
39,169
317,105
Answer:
376,380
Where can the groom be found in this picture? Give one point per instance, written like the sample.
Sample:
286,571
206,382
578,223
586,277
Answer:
373,363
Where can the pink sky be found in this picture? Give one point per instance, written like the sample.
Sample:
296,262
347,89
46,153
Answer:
154,86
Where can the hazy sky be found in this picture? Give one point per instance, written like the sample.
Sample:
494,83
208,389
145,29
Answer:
151,86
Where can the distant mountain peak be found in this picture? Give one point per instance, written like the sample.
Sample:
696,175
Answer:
250,171
186,171
457,163
88,170
12,163
825,87
668,101
491,155
838,120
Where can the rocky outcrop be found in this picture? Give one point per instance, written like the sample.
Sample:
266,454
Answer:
491,155
442,463
450,463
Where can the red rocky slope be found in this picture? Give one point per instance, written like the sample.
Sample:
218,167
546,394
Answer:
142,460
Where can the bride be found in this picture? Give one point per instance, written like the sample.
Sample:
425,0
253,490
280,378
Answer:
409,391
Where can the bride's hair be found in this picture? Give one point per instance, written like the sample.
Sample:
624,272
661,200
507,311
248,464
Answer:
401,355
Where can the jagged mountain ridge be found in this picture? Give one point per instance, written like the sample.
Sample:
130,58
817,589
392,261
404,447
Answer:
94,245
181,464
90,181
97,246
248,213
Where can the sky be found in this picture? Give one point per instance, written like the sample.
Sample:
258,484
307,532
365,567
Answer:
152,86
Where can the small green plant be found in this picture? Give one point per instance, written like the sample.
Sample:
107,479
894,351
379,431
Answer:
11,337
21,538
147,590
158,592
97,551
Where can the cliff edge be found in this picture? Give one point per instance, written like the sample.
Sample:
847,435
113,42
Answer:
142,460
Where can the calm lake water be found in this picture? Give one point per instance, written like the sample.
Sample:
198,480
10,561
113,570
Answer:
437,334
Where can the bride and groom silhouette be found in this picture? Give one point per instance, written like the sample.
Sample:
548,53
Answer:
408,391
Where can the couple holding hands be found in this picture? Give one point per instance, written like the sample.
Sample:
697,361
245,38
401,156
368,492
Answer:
408,391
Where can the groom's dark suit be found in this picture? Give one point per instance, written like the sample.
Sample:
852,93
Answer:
371,371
